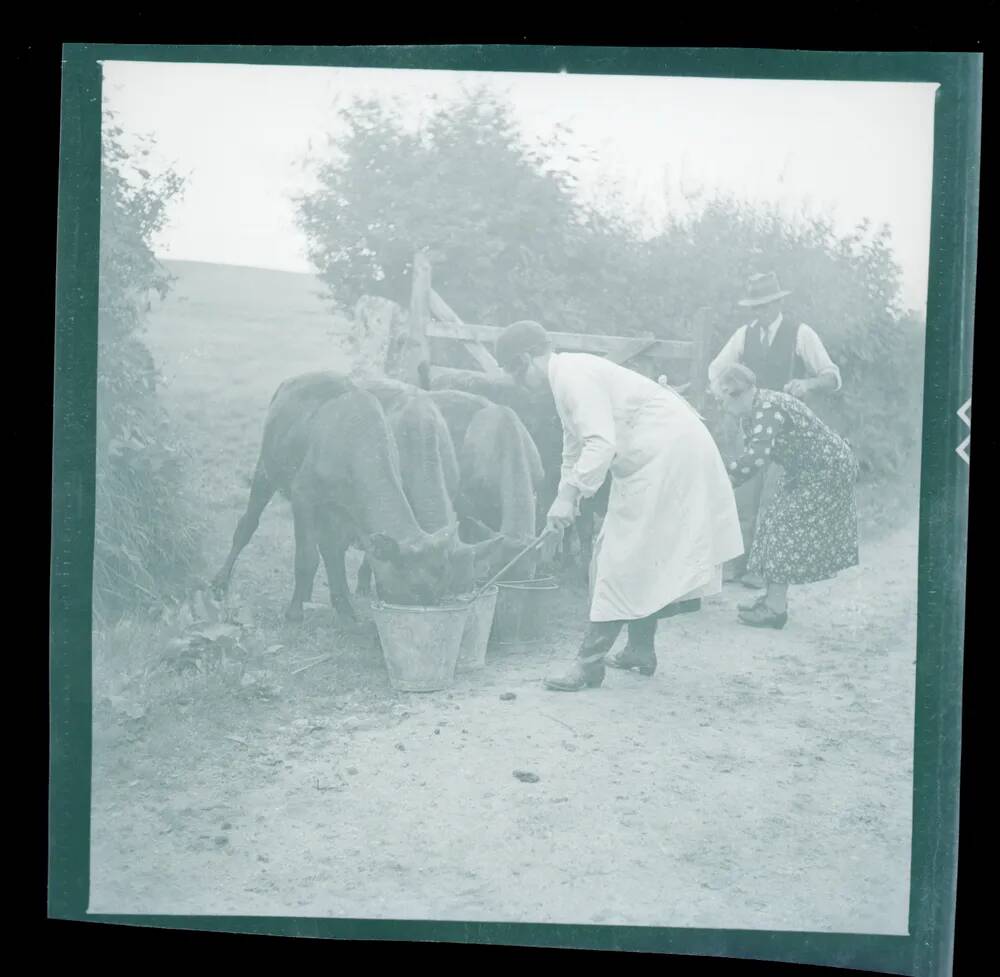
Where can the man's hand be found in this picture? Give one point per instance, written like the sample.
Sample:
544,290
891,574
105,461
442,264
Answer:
561,514
798,388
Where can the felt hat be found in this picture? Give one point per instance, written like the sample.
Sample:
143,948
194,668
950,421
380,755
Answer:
761,289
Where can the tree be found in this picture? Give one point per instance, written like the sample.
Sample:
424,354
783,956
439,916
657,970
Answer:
519,243
847,287
145,541
516,242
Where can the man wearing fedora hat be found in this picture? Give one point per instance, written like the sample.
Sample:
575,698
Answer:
784,354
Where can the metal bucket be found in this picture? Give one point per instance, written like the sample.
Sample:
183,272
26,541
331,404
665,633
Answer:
477,630
520,614
420,644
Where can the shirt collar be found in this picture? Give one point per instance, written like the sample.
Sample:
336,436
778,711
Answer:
772,328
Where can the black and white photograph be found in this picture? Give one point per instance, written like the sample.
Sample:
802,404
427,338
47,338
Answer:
508,496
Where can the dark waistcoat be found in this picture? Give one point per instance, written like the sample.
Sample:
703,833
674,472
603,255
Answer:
778,363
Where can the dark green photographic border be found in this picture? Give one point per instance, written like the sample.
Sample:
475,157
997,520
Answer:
927,950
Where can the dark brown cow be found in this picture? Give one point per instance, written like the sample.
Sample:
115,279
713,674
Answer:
430,472
493,488
327,445
538,414
283,447
500,470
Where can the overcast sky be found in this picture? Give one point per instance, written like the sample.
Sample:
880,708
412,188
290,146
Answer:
238,133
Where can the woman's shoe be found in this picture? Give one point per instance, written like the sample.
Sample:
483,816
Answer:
628,658
580,674
752,581
750,605
761,616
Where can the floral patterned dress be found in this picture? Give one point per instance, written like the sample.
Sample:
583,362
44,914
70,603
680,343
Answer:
809,529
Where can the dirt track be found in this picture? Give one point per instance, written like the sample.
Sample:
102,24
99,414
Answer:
758,780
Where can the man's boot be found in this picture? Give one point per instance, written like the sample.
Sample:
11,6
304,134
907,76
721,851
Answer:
587,670
639,652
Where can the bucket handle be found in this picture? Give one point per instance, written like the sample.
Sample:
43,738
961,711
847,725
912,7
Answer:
534,544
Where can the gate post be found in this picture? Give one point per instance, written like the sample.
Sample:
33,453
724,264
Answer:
416,354
702,323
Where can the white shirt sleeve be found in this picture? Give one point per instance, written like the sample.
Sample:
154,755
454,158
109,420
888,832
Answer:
589,442
813,353
730,354
572,446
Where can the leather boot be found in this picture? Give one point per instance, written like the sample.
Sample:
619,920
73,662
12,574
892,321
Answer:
639,652
641,659
580,673
587,670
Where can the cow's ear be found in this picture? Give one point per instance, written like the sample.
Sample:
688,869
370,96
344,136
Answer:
487,548
488,555
476,529
382,547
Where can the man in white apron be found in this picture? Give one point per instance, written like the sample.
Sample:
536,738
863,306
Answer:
671,522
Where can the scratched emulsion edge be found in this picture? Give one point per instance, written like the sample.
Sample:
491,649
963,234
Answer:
944,535
927,950
73,435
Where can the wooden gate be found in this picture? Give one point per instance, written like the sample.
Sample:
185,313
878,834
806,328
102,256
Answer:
685,362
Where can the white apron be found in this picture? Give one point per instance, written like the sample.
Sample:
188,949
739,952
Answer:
672,519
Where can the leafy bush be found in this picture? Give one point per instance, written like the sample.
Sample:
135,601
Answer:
146,539
845,287
518,242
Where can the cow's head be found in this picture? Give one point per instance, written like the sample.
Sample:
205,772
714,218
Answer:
496,550
475,563
414,572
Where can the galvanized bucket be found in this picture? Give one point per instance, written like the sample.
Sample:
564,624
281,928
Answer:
520,614
420,644
477,630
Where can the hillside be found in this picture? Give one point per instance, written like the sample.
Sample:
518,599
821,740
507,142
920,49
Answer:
259,325
263,290
223,340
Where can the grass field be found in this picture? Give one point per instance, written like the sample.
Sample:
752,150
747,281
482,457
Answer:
758,780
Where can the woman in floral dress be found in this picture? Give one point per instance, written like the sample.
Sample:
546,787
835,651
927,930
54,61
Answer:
809,530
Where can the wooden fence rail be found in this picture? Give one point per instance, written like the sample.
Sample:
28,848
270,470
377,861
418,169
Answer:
430,317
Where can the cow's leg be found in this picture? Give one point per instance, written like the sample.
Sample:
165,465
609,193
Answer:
306,556
262,490
333,547
364,577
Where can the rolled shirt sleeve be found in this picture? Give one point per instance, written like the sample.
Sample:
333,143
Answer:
589,442
572,446
730,354
813,353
